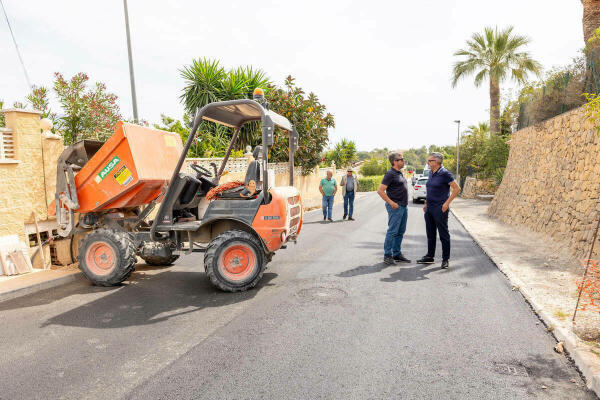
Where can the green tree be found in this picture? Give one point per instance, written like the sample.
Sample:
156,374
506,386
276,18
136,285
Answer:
473,148
343,153
374,166
308,115
86,113
495,55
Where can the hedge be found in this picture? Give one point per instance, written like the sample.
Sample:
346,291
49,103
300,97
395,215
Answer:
369,183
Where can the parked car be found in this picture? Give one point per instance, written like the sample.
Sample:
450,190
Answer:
420,190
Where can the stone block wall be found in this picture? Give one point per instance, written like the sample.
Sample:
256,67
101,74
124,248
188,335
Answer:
473,187
552,181
23,180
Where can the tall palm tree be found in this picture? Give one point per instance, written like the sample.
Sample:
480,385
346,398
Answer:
495,55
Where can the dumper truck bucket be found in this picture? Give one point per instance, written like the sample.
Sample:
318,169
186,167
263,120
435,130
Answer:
127,171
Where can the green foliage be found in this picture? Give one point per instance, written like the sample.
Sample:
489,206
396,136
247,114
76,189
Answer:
374,167
206,81
310,118
343,154
2,121
481,153
86,113
38,99
592,110
369,183
561,90
499,175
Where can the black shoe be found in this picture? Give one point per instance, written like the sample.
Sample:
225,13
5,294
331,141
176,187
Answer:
389,260
426,260
445,264
344,217
350,219
401,259
324,218
329,219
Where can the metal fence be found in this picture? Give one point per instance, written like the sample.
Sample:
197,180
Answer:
562,92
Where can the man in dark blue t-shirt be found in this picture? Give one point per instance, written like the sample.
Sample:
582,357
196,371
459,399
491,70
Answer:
394,191
436,208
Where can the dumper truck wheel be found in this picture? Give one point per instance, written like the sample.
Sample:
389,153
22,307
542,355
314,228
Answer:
234,261
107,257
158,254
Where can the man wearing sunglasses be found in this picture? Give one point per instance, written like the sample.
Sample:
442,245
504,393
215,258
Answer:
394,191
436,208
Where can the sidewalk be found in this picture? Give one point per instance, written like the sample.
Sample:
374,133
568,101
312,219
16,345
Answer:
545,274
21,285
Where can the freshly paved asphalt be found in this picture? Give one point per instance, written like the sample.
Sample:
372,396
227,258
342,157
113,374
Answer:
328,321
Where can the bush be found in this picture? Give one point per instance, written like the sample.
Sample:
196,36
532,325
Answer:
374,167
369,183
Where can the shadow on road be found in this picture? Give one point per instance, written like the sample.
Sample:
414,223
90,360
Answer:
335,221
149,299
363,270
144,299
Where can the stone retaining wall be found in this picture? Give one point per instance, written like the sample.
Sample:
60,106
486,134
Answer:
552,181
473,187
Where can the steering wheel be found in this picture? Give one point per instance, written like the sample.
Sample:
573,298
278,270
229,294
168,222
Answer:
201,170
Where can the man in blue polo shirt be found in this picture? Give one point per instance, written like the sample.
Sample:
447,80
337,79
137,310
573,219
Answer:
436,208
394,191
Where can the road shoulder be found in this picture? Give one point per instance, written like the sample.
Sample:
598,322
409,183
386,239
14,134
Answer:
545,276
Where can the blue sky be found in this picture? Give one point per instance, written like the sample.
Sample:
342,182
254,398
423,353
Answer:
381,67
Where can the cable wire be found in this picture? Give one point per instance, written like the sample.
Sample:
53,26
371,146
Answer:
16,46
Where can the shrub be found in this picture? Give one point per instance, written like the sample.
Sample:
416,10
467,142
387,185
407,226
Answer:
369,183
374,167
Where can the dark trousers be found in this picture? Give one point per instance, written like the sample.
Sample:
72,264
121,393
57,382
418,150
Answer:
349,203
437,221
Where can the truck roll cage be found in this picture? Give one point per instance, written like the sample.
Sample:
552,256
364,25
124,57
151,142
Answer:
234,114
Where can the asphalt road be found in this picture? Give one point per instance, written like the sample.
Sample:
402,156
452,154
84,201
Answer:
328,321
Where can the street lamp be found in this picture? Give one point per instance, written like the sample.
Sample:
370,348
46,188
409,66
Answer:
457,144
131,77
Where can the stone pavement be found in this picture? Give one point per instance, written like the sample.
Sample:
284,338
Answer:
545,274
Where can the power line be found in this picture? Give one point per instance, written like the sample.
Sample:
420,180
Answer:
16,46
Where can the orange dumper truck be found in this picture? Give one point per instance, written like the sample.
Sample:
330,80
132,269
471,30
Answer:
107,191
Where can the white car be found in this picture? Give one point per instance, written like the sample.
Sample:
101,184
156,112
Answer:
420,190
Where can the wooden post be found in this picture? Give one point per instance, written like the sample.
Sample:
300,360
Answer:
39,239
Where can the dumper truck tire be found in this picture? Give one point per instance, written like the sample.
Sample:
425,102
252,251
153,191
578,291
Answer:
158,254
107,257
234,261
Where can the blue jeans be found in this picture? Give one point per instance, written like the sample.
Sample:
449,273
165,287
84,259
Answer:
396,228
437,221
349,203
327,206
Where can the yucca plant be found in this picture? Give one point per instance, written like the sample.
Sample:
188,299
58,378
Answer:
206,81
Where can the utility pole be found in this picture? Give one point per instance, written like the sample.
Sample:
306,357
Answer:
131,77
457,145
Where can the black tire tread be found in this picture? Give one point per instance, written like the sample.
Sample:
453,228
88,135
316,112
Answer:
159,261
127,254
211,252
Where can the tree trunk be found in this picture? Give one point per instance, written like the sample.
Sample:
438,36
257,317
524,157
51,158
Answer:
591,18
494,107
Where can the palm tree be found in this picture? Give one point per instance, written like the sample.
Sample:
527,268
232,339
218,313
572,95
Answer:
481,129
494,55
591,18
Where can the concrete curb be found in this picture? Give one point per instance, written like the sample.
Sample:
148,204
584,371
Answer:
577,350
37,287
